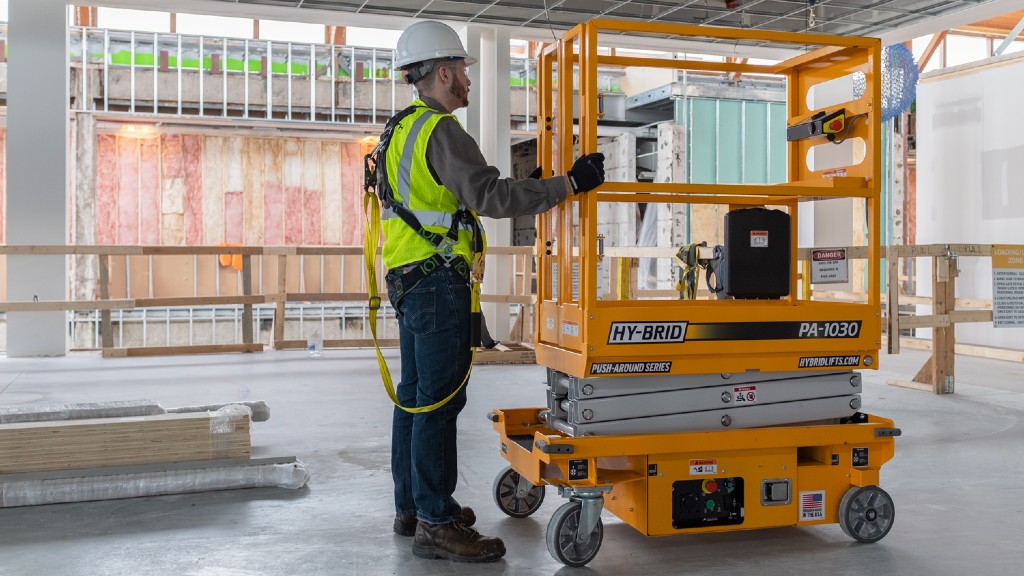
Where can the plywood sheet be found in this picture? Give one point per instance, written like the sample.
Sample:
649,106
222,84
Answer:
173,276
100,442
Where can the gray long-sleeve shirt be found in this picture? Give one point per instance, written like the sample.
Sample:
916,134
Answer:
460,166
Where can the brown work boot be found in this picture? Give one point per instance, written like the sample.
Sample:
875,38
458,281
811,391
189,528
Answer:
406,525
456,542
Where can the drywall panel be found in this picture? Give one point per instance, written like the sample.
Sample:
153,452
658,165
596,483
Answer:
970,177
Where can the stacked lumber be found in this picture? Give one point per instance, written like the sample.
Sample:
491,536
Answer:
116,409
103,442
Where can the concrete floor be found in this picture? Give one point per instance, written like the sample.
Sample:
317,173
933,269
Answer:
957,481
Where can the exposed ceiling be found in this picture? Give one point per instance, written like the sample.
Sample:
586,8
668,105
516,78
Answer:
843,17
541,20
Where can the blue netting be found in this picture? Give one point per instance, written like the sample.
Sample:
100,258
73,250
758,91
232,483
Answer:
899,80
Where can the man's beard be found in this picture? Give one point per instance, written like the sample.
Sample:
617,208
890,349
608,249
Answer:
459,91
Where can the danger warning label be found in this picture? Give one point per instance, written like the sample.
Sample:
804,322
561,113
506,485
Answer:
744,395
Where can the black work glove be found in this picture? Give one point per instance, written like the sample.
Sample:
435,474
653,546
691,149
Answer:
587,172
537,173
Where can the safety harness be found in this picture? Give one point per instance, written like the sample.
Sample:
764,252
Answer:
379,194
687,285
692,264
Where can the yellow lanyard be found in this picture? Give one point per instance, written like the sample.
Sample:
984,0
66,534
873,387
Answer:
371,210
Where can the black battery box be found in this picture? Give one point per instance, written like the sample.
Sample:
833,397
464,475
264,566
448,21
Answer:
757,257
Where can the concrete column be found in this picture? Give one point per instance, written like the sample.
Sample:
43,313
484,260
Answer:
673,219
487,119
37,174
85,268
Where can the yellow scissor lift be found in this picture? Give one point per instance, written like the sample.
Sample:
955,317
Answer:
632,424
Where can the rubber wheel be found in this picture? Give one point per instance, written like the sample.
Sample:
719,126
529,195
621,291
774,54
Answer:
866,513
504,492
561,536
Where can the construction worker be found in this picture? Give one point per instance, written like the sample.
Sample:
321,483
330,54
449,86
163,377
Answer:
439,183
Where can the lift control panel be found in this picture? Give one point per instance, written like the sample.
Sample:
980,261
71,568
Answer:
708,502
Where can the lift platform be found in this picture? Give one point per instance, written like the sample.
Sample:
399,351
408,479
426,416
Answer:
736,412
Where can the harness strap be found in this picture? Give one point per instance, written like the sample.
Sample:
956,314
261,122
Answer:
716,269
400,282
691,266
378,193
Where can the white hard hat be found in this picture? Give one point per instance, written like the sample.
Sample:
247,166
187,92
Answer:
429,40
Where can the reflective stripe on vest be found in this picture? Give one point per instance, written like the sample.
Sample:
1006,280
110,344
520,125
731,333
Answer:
426,218
405,165
415,188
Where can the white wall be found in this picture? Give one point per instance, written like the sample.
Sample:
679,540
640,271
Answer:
639,80
970,176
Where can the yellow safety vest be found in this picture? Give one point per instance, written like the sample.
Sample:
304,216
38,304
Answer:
414,187
434,206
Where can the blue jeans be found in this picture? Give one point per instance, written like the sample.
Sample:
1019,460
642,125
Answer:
434,332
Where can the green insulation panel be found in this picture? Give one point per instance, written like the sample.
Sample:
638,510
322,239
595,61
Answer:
734,141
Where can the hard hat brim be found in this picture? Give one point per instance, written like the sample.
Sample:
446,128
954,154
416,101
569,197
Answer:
469,60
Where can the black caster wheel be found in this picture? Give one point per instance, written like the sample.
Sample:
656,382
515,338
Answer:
504,491
866,513
561,536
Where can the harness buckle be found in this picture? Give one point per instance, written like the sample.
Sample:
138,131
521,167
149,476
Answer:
447,248
375,303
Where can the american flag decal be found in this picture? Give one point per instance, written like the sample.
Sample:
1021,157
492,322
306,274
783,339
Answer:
812,505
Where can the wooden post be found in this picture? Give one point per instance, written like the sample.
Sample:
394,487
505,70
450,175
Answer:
619,278
933,44
892,301
85,16
805,279
247,291
106,327
339,36
944,339
516,333
939,371
282,277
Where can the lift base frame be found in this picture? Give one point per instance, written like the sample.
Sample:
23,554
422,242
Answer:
820,463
